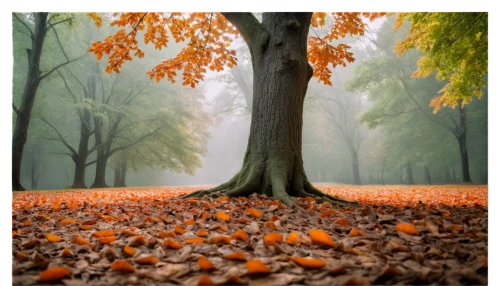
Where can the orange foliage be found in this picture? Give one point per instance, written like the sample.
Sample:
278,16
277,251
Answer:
355,232
52,237
205,264
308,262
320,237
407,228
220,239
189,222
179,229
293,238
67,222
241,235
103,233
237,255
172,244
253,212
243,220
81,241
222,216
54,274
257,267
66,252
86,227
107,240
130,251
138,240
89,222
151,260
194,240
122,266
273,237
204,281
270,224
342,221
202,232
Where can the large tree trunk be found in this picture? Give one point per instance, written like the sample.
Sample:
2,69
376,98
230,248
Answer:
427,176
24,112
102,159
81,157
273,161
79,176
409,174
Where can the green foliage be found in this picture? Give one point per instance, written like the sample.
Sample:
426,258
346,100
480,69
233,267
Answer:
455,46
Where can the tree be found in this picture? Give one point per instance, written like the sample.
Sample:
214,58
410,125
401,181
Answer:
387,80
281,72
455,46
42,25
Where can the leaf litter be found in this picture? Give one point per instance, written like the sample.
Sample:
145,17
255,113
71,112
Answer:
145,236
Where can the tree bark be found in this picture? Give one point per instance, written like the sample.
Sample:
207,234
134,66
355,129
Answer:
453,175
117,180
24,112
462,143
123,173
102,160
273,160
356,178
79,175
427,176
83,151
409,174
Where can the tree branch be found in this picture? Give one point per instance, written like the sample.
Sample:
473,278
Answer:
58,66
60,45
133,143
90,163
60,137
26,25
59,22
17,111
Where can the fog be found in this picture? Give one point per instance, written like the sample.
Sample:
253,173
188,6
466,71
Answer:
363,129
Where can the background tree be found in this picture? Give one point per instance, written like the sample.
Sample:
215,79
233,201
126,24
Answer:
36,27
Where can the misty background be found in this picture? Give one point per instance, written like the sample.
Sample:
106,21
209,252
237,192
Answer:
372,126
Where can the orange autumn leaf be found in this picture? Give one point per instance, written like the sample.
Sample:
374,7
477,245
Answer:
407,228
271,238
122,266
455,227
253,212
27,223
342,221
293,238
103,233
162,234
66,252
308,262
151,260
222,216
89,222
189,222
243,220
172,244
194,240
223,228
138,240
107,239
270,225
52,238
355,232
205,264
81,241
320,237
130,251
128,233
220,239
257,267
204,281
241,235
224,199
237,255
54,274
85,227
202,232
15,234
179,229
205,215
65,222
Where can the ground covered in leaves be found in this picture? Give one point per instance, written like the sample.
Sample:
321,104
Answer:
147,236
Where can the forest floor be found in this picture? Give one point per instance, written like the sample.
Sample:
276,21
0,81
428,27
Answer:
148,236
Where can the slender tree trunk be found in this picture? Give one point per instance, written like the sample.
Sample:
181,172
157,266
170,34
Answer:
453,176
427,176
383,169
409,174
356,179
447,176
400,177
81,157
24,111
102,160
117,180
462,144
123,172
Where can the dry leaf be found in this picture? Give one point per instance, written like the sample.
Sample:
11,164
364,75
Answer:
205,264
407,228
320,237
54,274
222,216
151,260
308,262
122,266
52,237
257,267
241,235
253,212
237,255
273,237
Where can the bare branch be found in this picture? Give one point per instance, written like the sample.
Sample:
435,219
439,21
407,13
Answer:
60,65
22,32
17,111
248,26
133,143
26,25
60,45
90,163
60,137
59,22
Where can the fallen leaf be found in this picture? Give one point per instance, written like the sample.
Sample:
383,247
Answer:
220,239
241,235
81,241
122,266
151,260
172,244
308,262
205,264
407,228
103,233
194,240
107,240
54,274
204,281
130,251
65,222
320,237
179,229
342,221
253,212
202,232
293,238
237,255
355,232
271,238
222,216
52,237
255,266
